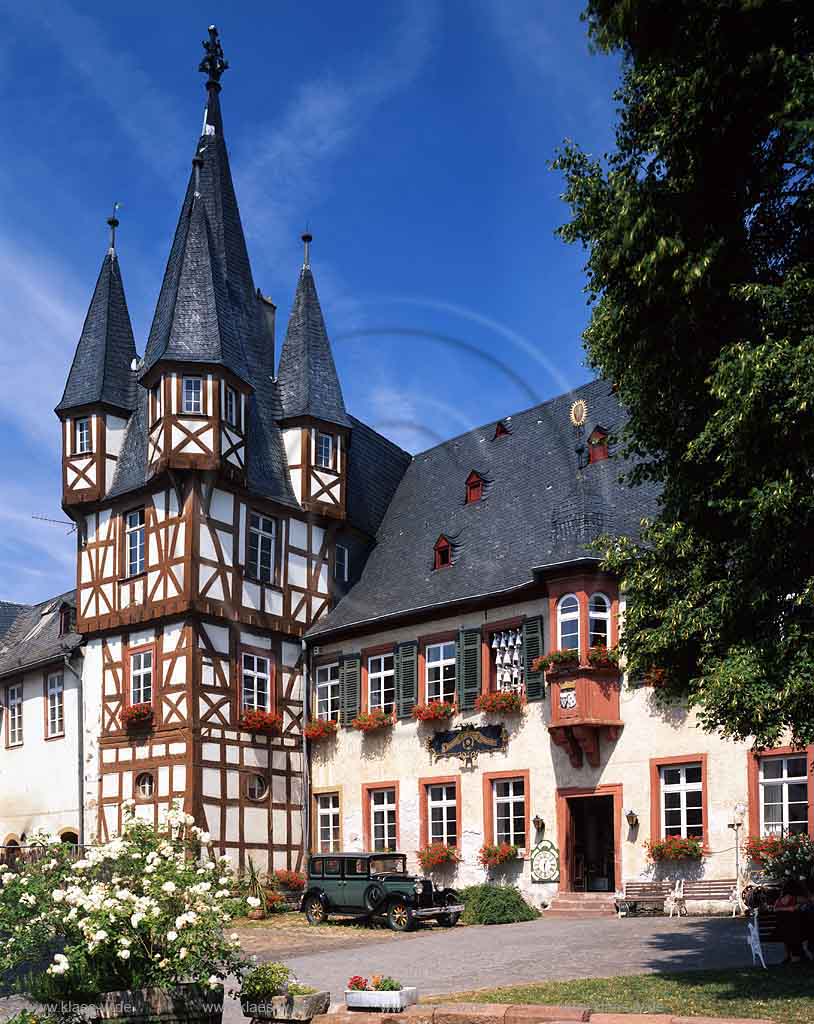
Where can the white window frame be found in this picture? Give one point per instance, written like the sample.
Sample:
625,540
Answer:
192,396
14,700
435,657
319,455
134,533
568,616
55,712
341,563
232,407
328,822
602,615
444,831
255,677
156,407
384,680
784,781
264,529
141,676
326,692
383,819
82,436
511,799
683,788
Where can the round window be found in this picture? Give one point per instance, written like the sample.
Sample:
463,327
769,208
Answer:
145,786
256,787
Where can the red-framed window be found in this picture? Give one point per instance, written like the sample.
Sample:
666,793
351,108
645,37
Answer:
474,487
380,816
507,808
501,430
439,803
598,445
442,553
678,797
781,791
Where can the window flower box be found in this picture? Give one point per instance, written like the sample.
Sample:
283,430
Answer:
268,723
435,711
320,729
437,855
138,716
556,661
369,721
674,848
503,702
603,657
379,995
492,855
763,849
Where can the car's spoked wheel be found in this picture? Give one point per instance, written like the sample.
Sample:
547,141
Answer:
314,911
400,917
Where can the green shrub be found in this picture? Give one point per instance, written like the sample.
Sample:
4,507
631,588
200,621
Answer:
265,981
495,904
296,989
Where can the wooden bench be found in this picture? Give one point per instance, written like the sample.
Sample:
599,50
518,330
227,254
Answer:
649,897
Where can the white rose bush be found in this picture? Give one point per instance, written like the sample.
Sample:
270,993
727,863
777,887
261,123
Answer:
145,911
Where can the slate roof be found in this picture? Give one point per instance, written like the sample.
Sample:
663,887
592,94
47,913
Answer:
538,510
309,385
100,371
8,613
375,468
33,637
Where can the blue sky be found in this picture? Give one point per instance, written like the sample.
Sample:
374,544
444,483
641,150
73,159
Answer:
412,138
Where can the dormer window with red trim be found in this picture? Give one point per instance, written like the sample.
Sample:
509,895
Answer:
598,445
66,619
443,553
474,487
501,430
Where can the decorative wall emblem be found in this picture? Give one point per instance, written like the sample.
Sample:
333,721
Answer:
579,412
545,862
467,742
568,697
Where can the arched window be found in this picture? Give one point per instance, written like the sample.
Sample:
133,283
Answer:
256,787
599,621
598,445
474,487
568,623
443,553
145,785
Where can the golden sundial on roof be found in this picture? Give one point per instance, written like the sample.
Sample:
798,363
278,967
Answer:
579,412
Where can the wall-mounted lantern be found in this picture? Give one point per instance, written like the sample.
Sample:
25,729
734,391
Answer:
538,823
632,818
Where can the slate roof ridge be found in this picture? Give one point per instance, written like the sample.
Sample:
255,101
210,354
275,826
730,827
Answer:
396,448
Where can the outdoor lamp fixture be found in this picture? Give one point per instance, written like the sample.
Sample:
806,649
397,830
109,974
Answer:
632,818
538,823
738,813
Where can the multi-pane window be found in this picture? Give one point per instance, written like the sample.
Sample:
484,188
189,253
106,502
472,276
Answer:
145,785
599,621
442,814
568,623
261,547
81,436
325,450
192,401
134,541
231,407
682,800
341,564
381,682
327,692
784,795
141,677
256,688
440,662
383,818
509,811
55,722
156,396
15,714
328,822
256,787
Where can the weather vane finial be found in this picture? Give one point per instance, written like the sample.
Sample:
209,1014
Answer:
213,63
113,222
307,238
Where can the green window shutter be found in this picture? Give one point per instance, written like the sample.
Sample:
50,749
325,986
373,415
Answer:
350,688
533,647
467,668
405,661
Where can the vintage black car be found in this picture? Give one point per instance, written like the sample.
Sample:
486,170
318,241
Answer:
374,885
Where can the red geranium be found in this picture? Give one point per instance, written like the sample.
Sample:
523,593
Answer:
137,714
675,848
320,729
436,854
367,721
491,855
290,879
547,662
434,711
267,722
356,983
764,848
505,702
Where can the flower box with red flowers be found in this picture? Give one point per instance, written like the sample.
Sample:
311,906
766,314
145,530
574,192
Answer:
269,723
763,849
292,880
601,656
675,848
320,729
492,855
437,855
434,711
502,702
556,661
369,721
138,716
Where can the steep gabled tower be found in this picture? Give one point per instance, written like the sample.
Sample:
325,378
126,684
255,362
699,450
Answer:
316,427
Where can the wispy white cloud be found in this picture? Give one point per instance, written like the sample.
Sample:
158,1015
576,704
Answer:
410,418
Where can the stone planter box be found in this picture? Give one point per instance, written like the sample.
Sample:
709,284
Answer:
188,1004
287,1007
381,1002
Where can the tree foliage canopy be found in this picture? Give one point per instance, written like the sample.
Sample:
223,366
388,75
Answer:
699,230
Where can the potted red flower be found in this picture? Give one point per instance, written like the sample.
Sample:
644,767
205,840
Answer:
138,716
492,855
380,994
503,702
369,721
266,722
292,880
320,729
436,855
556,660
674,848
601,656
434,711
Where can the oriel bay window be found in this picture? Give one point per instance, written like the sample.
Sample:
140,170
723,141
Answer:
599,621
134,541
192,396
439,660
256,682
325,450
568,623
141,676
260,560
55,705
82,443
381,682
326,692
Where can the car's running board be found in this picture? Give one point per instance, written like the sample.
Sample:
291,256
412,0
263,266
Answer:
453,908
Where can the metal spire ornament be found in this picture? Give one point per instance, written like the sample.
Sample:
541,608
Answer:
213,63
113,223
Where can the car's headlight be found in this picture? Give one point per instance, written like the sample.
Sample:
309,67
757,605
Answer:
418,888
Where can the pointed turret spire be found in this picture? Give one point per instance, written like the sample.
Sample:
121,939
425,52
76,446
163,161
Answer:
101,370
309,383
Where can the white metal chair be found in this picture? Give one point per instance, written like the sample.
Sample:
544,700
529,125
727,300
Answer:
675,901
753,938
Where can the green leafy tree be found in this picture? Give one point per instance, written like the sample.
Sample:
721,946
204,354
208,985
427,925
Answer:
699,229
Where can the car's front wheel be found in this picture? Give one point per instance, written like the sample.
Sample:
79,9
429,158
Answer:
400,916
314,910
